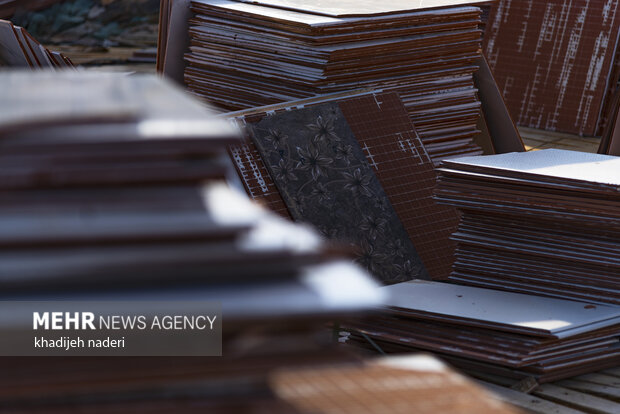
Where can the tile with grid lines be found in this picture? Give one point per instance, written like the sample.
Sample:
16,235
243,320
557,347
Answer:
392,147
323,175
554,62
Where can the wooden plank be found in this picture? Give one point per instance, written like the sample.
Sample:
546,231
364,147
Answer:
604,391
536,138
485,377
612,371
528,402
586,402
600,378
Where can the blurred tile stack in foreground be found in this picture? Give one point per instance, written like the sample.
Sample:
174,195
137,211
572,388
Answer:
400,385
113,187
21,50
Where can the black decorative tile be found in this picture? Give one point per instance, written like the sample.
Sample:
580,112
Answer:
325,180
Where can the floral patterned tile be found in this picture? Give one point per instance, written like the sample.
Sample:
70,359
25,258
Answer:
325,179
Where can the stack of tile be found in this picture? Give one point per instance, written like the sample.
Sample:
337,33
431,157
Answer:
54,134
112,189
486,13
247,54
544,222
492,333
94,190
268,324
556,62
19,49
375,128
394,385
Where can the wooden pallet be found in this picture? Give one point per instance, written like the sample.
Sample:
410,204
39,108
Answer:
537,139
597,393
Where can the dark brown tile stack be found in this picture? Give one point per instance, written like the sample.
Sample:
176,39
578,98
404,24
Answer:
247,54
489,333
545,223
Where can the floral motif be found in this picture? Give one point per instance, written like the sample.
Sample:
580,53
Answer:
323,129
284,171
320,192
299,202
407,271
358,183
276,137
382,204
312,160
373,226
331,233
318,171
396,246
387,256
344,153
369,257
